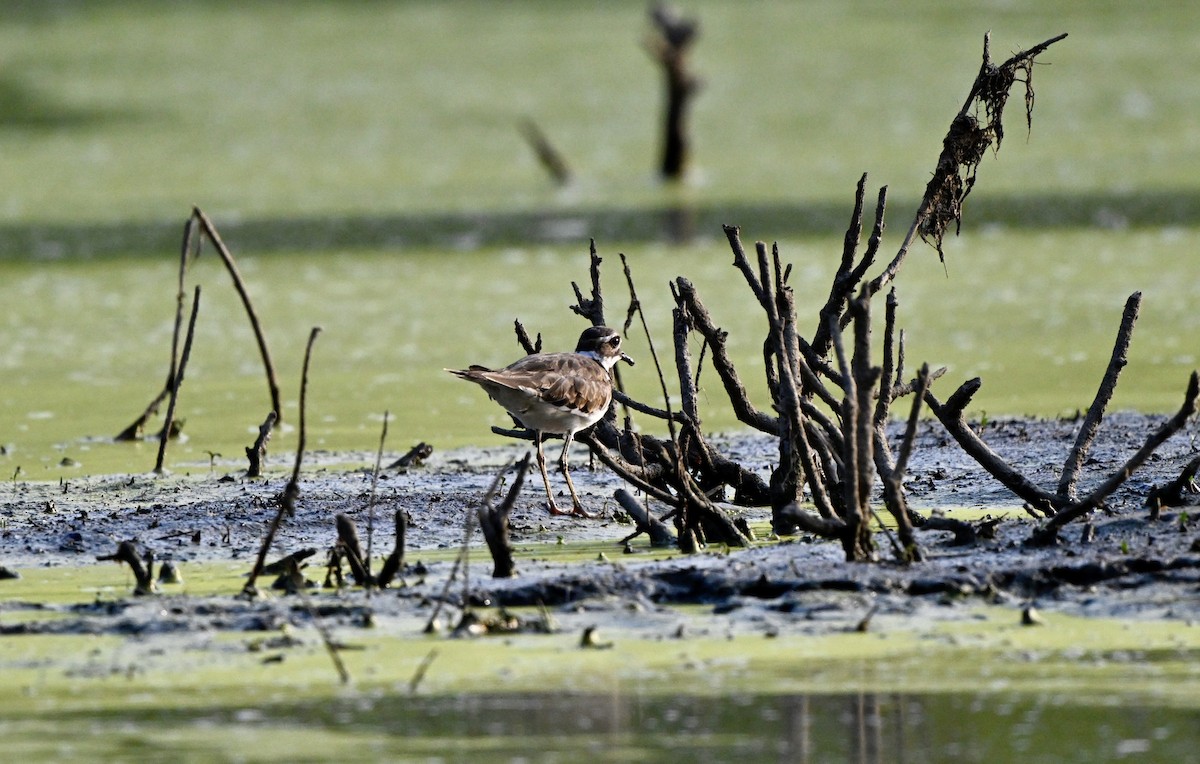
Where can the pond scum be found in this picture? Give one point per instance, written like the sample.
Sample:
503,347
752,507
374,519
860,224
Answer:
831,406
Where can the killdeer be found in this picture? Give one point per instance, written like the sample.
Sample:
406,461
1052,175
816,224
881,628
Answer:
556,393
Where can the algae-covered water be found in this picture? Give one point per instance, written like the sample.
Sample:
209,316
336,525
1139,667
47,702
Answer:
363,162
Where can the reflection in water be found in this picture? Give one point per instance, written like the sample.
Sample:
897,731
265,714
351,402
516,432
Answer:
865,728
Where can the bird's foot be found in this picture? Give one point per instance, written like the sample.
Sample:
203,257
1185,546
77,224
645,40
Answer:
575,511
579,511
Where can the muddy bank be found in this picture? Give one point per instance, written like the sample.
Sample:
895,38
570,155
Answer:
1127,566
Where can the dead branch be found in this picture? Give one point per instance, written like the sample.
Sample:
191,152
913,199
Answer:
351,548
825,527
395,561
292,491
257,454
964,533
590,308
143,573
742,407
371,501
893,478
523,338
176,383
858,433
1096,498
953,419
660,535
1174,493
548,156
210,231
641,408
283,564
964,146
848,276
968,139
1095,414
187,251
414,457
671,40
493,521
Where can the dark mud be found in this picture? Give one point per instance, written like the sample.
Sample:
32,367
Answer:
1125,566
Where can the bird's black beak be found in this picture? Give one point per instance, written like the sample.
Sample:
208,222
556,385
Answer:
627,359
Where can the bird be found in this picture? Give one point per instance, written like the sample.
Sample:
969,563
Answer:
556,394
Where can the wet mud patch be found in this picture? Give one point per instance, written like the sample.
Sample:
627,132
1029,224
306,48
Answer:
1124,565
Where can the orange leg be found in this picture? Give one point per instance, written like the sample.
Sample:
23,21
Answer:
577,506
541,462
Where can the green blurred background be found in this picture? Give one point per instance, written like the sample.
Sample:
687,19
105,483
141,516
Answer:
364,163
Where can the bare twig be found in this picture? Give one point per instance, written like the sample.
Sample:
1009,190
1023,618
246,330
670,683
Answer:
549,157
288,504
1095,414
371,501
187,251
493,521
523,338
175,384
210,231
1156,439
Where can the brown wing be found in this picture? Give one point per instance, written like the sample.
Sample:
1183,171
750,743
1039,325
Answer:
562,379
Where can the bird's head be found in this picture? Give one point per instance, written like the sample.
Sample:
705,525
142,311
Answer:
602,344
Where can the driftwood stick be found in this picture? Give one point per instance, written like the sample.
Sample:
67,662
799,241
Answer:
257,454
1095,414
964,533
168,425
210,231
825,527
660,534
